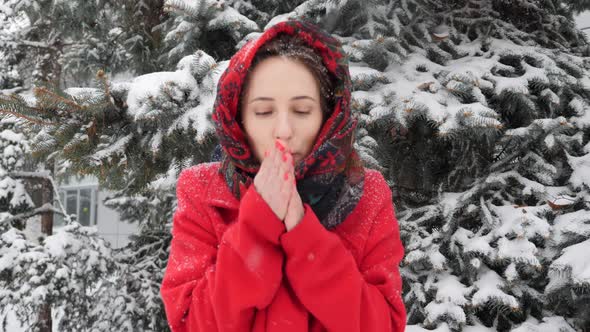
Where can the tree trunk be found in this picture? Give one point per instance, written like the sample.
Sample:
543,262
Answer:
45,321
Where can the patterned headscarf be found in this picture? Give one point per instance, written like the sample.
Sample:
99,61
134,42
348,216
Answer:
331,178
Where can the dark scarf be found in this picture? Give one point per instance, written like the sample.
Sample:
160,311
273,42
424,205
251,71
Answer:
331,178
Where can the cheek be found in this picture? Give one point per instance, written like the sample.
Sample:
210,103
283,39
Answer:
257,135
311,129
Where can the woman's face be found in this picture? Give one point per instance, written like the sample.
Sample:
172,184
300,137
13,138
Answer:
282,101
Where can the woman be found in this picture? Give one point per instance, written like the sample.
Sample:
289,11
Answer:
288,232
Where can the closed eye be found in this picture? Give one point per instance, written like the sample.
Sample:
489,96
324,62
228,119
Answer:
267,113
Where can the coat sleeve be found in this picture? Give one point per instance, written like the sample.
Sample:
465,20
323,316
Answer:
211,286
326,279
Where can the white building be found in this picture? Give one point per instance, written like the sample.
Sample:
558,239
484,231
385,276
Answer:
83,197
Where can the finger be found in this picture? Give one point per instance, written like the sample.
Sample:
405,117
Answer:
286,194
283,162
282,150
286,189
274,182
280,145
264,163
270,173
283,176
287,171
286,161
265,160
268,167
291,184
265,156
290,168
276,164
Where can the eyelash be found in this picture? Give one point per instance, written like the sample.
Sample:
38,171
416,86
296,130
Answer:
267,113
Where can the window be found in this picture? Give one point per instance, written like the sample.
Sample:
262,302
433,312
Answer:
80,201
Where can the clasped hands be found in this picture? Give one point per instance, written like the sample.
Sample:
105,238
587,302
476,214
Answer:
275,182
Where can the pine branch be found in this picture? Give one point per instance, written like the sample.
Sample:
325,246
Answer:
38,211
44,92
39,122
102,79
182,7
36,44
27,43
46,175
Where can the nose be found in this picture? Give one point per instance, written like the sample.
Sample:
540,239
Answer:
283,128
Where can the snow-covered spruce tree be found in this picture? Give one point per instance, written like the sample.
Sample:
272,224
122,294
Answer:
138,27
63,269
482,130
129,134
61,41
169,132
9,77
14,199
216,27
212,26
473,110
136,137
577,6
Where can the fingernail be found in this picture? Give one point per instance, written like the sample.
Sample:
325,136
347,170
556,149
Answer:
266,153
284,157
280,146
286,176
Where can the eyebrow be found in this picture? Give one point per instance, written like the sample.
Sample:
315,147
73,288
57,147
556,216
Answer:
271,99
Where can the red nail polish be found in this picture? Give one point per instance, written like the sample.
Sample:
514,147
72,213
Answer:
280,146
286,176
284,157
